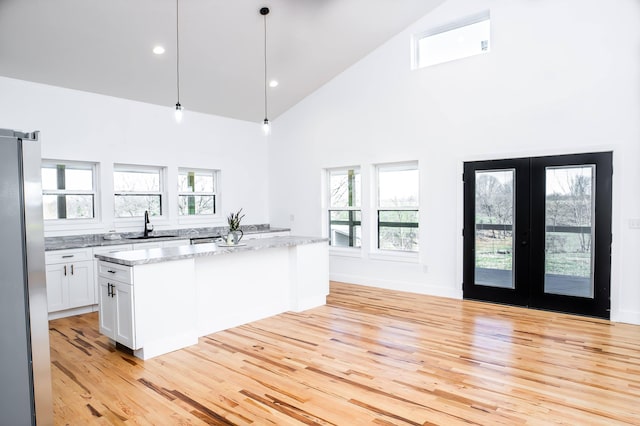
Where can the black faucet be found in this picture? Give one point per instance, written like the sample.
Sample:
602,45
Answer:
148,227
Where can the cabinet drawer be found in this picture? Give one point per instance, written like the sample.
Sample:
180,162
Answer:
67,256
115,272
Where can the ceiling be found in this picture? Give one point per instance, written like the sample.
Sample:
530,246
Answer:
105,46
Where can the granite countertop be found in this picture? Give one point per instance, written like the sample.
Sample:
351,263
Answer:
98,240
143,257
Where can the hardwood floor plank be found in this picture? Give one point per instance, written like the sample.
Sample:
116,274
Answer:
370,356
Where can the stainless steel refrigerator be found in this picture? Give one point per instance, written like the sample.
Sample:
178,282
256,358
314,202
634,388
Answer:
25,370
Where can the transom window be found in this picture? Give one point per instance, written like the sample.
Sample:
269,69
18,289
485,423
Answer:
398,195
68,190
344,207
467,37
197,192
137,189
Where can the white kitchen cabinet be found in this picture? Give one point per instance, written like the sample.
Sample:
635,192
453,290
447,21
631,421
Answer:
105,250
116,304
70,281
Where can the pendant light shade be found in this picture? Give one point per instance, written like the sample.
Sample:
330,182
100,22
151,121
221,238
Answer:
179,111
266,124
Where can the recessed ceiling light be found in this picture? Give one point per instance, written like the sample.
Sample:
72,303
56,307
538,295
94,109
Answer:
158,50
273,83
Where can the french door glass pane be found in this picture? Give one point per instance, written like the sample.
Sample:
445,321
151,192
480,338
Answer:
569,209
494,201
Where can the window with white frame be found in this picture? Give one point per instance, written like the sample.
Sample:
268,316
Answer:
68,190
137,189
398,206
344,192
461,39
197,192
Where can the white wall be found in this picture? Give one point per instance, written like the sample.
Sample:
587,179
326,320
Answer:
562,77
83,126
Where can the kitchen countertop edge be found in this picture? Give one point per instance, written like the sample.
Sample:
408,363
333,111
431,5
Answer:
167,254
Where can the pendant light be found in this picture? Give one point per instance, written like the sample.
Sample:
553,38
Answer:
179,110
266,125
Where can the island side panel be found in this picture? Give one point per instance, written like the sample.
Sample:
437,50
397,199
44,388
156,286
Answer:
309,276
165,307
242,287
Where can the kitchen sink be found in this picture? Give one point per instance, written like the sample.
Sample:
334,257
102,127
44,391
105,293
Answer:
151,237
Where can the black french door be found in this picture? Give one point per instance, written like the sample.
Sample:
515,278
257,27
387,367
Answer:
537,232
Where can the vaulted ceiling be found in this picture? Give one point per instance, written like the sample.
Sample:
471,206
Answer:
105,46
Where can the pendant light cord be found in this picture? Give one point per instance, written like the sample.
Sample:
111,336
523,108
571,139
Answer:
265,66
177,51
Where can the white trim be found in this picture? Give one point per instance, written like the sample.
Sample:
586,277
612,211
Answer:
355,252
395,256
411,287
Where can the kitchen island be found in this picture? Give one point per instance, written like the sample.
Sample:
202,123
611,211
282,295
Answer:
159,300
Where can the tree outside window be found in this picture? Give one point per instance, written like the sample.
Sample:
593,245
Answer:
197,192
137,189
344,207
68,190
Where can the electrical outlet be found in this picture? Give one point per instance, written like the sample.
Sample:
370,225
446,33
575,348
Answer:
634,223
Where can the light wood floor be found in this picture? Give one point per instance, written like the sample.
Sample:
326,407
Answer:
369,356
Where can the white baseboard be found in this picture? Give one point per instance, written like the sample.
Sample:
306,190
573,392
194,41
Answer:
410,287
629,317
71,312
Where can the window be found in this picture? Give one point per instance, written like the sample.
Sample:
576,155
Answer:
398,207
344,207
136,189
455,41
68,190
197,192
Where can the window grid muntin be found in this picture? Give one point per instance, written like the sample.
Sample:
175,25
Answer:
63,195
385,225
354,221
159,194
213,194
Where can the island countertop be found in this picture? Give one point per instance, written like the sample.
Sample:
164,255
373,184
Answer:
157,255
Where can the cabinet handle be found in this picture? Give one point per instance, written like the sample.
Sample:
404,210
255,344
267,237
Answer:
65,270
71,269
109,291
68,256
111,272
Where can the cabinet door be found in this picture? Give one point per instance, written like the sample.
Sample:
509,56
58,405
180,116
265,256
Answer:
81,288
107,309
124,315
56,287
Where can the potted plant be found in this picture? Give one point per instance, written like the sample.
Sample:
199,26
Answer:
235,233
